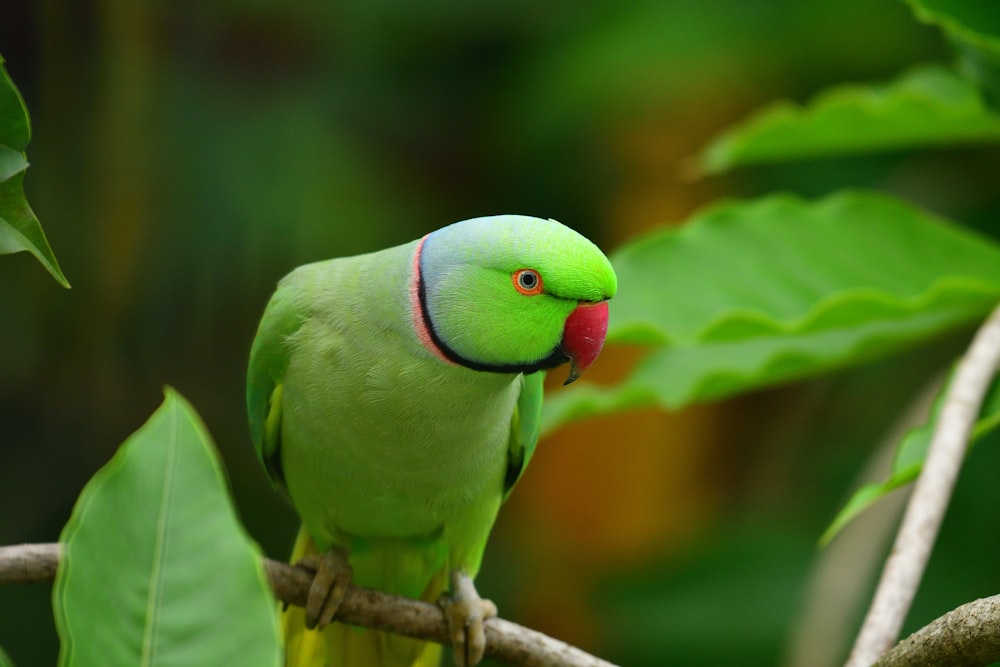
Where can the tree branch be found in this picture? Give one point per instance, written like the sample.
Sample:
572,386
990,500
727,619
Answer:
506,641
968,636
931,494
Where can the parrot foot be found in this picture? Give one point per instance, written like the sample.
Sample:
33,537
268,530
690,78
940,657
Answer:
465,612
329,585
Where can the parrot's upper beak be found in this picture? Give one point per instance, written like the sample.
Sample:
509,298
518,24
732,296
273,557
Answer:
583,336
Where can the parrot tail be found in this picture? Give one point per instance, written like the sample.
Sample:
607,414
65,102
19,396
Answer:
340,645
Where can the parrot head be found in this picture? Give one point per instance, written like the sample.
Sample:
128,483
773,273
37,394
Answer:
511,294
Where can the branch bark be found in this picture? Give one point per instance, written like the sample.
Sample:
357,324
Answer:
968,636
506,641
931,494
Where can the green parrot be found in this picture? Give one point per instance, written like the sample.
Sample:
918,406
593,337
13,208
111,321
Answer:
395,398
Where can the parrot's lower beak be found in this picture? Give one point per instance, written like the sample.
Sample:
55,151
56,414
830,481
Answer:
583,336
574,372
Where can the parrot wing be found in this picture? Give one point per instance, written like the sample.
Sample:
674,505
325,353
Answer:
525,427
265,376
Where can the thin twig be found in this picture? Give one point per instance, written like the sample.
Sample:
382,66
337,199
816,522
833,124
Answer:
918,532
968,636
506,641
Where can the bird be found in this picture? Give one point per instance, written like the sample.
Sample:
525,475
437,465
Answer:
395,399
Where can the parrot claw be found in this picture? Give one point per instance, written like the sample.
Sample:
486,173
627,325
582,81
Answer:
465,612
329,585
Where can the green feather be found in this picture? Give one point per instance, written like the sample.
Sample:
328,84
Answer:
525,427
265,374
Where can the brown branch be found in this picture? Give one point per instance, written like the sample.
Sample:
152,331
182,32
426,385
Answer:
968,636
906,563
506,641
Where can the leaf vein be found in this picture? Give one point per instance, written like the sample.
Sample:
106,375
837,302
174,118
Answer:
156,575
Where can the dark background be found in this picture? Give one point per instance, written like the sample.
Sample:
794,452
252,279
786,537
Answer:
187,155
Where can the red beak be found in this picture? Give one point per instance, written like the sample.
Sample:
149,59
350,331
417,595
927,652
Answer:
583,336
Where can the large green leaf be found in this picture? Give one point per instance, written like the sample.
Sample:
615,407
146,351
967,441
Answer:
156,568
19,228
926,106
909,459
974,28
749,294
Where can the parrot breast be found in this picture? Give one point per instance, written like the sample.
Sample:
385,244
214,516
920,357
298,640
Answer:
378,437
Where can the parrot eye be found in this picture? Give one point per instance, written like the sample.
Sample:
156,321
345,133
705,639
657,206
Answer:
527,282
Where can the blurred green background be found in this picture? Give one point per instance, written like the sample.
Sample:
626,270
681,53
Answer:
187,155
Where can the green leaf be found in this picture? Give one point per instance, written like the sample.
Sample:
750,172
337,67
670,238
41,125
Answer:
5,660
973,21
974,28
909,460
12,163
926,106
15,126
19,228
156,568
750,294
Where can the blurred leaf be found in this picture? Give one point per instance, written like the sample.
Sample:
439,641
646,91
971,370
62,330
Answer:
909,459
974,28
975,21
5,660
620,62
15,126
983,66
749,294
926,106
11,163
682,607
157,569
19,228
